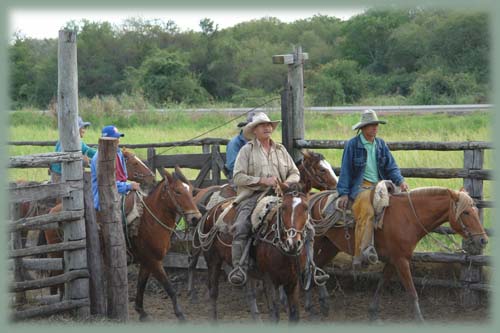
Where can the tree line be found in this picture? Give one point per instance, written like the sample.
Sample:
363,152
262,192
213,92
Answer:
411,56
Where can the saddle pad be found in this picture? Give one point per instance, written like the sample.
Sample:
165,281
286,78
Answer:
226,206
215,198
133,218
262,208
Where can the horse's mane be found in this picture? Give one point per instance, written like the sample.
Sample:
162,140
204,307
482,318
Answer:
430,190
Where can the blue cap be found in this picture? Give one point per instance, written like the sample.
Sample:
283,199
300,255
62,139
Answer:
82,123
111,132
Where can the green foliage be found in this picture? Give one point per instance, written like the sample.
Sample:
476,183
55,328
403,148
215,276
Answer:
164,77
338,82
376,56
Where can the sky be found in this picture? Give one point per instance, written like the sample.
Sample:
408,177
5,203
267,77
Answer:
41,23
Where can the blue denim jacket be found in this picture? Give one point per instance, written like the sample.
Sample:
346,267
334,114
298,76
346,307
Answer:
232,150
354,163
123,187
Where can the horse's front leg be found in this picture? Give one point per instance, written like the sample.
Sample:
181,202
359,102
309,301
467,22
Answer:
251,291
142,280
292,294
159,273
272,300
193,261
387,273
403,268
214,268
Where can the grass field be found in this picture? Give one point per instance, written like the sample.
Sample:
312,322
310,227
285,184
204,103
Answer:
149,127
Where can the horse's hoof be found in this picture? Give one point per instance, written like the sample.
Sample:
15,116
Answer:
145,318
193,298
181,318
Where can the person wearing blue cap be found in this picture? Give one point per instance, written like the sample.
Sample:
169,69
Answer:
122,184
87,152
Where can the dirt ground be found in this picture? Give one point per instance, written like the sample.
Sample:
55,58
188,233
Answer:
349,302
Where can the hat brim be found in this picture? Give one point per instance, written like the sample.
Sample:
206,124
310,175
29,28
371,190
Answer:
85,124
242,124
248,129
363,124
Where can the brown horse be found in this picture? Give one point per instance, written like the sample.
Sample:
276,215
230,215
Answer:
409,217
278,251
170,198
315,172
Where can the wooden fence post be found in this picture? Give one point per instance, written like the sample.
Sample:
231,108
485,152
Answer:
293,120
115,256
16,243
215,166
67,113
469,274
94,254
151,159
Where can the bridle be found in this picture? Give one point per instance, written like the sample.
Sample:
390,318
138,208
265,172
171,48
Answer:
138,175
458,219
315,177
279,227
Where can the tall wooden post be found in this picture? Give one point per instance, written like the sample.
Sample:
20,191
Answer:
94,254
67,114
292,101
469,274
115,255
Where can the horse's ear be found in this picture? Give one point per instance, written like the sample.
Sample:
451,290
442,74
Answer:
454,195
181,176
462,189
306,153
168,177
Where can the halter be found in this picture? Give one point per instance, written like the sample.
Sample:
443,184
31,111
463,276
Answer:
317,178
458,218
178,208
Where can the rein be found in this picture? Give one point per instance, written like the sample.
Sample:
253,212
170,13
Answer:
437,241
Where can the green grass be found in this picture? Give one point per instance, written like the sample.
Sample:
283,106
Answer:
153,127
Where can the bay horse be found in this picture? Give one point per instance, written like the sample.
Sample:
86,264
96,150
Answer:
409,217
315,172
170,198
278,251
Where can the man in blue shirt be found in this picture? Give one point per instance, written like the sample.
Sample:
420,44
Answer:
87,152
122,184
234,146
366,160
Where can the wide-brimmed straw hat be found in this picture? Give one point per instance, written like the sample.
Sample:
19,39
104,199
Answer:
368,117
258,118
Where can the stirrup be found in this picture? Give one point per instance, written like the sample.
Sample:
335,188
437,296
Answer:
234,274
320,276
370,255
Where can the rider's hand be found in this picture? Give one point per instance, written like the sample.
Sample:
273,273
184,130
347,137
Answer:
135,186
268,181
343,201
404,187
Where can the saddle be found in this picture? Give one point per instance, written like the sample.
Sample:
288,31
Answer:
132,210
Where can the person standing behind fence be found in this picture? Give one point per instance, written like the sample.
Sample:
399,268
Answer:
234,146
122,184
87,153
365,161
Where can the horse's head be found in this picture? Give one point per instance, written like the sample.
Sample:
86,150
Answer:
292,218
464,219
317,172
179,190
137,171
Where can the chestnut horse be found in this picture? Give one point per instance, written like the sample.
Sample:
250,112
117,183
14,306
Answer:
278,252
315,172
409,217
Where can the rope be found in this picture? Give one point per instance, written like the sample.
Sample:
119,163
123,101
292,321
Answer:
225,123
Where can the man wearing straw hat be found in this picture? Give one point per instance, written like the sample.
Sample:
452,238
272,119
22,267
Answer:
260,164
366,160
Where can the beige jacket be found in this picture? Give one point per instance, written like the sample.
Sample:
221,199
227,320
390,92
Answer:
253,162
